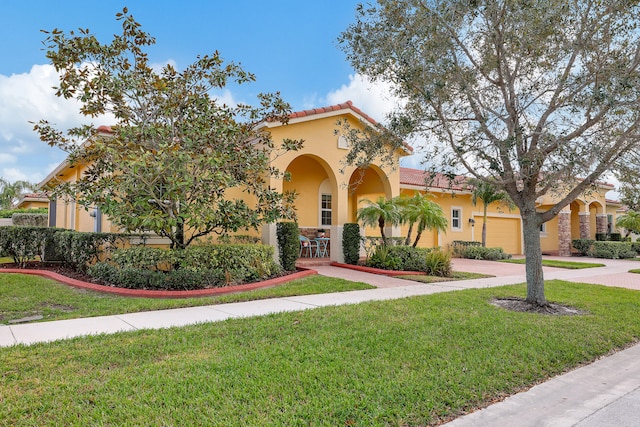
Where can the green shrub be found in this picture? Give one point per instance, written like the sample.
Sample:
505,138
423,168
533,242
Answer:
615,237
405,258
583,245
30,219
80,249
438,263
601,237
194,267
24,244
479,252
351,243
612,250
8,213
457,247
288,235
142,257
636,247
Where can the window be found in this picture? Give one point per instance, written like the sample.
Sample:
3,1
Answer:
325,209
543,228
456,219
609,223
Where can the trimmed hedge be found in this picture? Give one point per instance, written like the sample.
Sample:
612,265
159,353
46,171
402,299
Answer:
612,250
8,213
30,219
479,252
24,244
351,243
288,235
195,267
457,247
583,245
78,250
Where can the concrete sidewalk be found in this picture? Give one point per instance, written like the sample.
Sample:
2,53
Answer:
604,393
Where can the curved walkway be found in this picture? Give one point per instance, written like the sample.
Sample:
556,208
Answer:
604,393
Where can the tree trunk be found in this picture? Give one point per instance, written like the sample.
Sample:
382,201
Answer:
407,241
484,227
533,253
384,237
180,234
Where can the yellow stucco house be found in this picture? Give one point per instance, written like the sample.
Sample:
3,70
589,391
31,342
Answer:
330,193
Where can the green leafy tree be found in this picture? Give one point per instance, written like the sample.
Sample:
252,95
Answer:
11,191
426,213
380,213
176,157
488,193
630,222
529,94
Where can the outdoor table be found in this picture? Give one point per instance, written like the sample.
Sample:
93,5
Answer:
323,246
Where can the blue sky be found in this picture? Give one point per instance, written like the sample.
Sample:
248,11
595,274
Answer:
291,47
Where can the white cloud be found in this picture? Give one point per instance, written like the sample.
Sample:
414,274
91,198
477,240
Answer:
30,97
374,98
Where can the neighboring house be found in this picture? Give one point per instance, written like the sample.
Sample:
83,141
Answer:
330,193
32,201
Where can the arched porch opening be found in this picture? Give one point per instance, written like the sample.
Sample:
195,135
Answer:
370,184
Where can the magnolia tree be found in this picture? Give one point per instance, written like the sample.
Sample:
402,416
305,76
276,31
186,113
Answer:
176,161
526,95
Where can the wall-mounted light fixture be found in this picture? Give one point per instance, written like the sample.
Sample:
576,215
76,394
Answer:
472,221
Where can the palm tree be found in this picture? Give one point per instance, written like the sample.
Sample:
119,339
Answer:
427,213
630,222
9,192
380,213
488,193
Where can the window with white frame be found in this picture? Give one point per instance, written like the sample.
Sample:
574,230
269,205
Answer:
325,209
456,219
543,229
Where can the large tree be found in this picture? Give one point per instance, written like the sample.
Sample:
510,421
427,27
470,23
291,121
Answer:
527,94
176,157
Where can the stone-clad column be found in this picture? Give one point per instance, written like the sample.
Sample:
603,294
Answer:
601,223
585,225
564,233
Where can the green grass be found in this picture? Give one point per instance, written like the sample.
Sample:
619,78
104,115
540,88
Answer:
408,362
573,265
637,271
456,275
24,295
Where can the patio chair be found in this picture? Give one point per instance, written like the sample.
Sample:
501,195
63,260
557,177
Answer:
308,247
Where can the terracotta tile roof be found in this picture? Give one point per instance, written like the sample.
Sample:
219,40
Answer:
35,196
344,106
419,177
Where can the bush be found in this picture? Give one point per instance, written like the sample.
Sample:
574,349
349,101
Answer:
636,247
583,245
438,263
601,237
351,243
405,258
195,267
24,244
8,213
615,237
612,250
80,249
30,219
479,252
458,247
288,244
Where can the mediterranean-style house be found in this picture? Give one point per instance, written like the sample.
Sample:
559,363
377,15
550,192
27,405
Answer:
330,193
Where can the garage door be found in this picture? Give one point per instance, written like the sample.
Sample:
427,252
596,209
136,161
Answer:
501,232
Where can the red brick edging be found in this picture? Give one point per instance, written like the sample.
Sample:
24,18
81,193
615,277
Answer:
161,294
378,270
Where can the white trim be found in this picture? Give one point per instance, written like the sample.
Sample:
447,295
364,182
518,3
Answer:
460,217
495,215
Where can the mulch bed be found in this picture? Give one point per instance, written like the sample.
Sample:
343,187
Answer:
520,305
54,267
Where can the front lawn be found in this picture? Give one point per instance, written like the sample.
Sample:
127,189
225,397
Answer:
24,295
410,362
456,275
572,265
